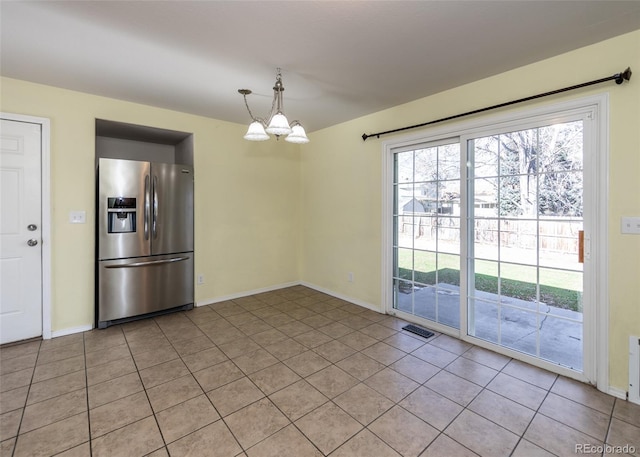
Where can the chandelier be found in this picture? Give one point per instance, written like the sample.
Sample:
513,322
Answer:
277,123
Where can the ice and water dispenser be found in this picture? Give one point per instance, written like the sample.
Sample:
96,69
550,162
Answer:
121,215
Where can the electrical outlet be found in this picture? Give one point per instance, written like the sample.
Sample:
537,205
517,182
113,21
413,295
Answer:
630,225
200,279
77,217
350,277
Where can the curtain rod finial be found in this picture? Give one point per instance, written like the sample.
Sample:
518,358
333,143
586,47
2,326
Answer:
364,137
624,76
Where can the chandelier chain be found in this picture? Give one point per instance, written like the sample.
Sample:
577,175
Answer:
259,119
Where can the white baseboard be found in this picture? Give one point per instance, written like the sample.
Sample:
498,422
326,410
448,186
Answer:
355,301
634,369
70,331
246,293
618,393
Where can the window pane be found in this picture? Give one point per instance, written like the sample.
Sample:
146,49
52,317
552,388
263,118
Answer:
425,267
448,309
486,239
405,232
449,162
403,295
426,233
559,244
518,241
449,235
403,167
518,196
509,156
518,285
561,290
485,198
404,268
561,342
519,152
486,280
561,194
518,329
449,198
426,165
486,156
485,325
426,194
561,147
449,270
425,302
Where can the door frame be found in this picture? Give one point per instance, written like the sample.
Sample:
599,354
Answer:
598,350
45,202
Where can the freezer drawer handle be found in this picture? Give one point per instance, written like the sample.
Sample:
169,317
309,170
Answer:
144,264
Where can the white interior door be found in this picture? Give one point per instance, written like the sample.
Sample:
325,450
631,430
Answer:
20,231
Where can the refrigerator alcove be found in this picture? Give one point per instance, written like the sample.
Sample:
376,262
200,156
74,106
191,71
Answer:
144,239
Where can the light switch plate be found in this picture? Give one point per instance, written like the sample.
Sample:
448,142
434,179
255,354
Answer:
77,217
630,225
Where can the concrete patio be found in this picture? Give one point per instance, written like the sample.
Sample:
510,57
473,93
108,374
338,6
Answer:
511,322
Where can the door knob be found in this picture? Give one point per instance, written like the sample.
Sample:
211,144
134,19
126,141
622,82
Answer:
32,227
32,242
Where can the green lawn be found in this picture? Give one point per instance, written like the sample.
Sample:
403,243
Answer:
557,288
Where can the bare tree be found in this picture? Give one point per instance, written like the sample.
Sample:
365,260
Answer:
534,171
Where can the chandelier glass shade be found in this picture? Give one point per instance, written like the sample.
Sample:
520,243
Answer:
256,132
276,124
279,125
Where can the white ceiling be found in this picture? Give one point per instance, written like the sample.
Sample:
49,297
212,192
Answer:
340,59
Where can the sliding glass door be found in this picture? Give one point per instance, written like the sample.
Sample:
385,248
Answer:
525,219
426,218
488,236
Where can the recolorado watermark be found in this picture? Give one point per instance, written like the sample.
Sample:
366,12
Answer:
586,448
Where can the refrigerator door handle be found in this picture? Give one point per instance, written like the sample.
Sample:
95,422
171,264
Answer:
147,207
155,207
144,264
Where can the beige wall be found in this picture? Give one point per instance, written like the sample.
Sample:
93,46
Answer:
246,197
341,221
273,213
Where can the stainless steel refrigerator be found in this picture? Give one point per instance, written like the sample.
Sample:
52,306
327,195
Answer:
144,239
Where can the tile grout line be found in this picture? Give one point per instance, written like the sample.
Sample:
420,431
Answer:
536,412
366,427
146,393
291,422
86,380
275,326
26,398
221,418
464,408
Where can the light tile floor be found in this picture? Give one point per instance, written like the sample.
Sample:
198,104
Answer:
291,373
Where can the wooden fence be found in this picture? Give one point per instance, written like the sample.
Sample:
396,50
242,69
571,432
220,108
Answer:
554,236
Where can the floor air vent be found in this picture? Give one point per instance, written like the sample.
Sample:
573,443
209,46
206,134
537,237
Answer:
418,330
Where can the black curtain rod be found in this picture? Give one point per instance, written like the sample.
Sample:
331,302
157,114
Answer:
618,77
